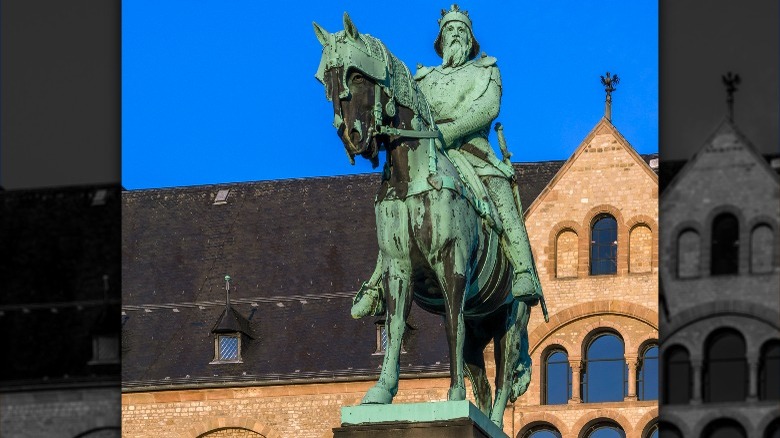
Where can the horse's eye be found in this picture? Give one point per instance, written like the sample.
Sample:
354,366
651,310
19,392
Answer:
357,78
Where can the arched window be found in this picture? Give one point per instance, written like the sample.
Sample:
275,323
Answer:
724,428
566,257
769,371
231,432
603,245
604,370
543,430
647,377
603,429
557,378
725,245
669,430
677,376
725,367
762,244
651,430
773,430
688,254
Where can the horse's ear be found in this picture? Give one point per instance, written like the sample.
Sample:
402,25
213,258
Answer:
322,34
350,27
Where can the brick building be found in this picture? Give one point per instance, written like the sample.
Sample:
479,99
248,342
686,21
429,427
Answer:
59,302
281,355
721,286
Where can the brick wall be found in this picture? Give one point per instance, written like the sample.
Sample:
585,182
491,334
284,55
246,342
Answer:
60,413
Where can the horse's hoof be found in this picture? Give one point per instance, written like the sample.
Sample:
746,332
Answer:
456,394
377,396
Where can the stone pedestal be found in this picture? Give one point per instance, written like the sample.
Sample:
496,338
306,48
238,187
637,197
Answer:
416,420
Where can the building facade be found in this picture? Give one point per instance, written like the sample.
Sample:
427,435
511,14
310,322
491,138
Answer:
721,286
278,354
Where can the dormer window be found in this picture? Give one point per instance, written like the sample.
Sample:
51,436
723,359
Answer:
105,349
230,333
382,339
227,348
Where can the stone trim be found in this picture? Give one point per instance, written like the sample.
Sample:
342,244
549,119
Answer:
648,420
706,247
622,238
718,308
552,248
593,308
523,423
200,428
610,415
767,419
723,413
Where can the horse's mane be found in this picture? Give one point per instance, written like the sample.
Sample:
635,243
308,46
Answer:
401,85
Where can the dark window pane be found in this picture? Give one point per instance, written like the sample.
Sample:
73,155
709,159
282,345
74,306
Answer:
769,372
677,376
603,248
558,375
604,376
545,433
607,432
228,348
724,429
725,245
647,385
725,368
669,431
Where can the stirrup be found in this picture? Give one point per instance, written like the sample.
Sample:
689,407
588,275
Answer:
369,301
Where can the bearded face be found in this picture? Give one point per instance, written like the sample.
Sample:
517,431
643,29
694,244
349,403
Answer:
456,44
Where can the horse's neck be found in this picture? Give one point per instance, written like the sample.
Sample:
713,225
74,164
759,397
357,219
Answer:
410,158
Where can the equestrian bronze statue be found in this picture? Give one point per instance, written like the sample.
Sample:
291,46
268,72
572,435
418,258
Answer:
443,241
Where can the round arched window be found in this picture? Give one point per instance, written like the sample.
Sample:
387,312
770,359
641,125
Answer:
603,245
604,370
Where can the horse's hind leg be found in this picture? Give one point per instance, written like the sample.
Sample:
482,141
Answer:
473,355
397,284
511,354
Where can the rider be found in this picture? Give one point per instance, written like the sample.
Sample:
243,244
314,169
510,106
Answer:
465,95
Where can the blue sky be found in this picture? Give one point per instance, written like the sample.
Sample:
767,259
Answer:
224,91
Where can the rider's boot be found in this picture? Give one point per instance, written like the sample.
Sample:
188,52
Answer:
525,284
370,299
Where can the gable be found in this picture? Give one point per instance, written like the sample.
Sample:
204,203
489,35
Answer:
602,167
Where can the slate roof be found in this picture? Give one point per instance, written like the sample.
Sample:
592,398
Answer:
56,249
297,250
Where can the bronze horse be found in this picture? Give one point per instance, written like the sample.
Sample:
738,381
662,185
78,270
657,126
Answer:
435,248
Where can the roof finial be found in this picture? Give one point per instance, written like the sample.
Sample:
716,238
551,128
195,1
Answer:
608,83
227,291
730,81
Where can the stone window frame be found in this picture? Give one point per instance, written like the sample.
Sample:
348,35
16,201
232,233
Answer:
650,428
97,359
591,242
585,238
591,337
674,260
217,358
380,348
643,349
592,426
762,371
540,426
706,375
706,241
763,220
642,220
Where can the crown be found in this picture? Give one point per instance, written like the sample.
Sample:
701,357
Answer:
454,14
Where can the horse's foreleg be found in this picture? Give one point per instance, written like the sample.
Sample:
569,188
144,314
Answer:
511,350
397,284
454,288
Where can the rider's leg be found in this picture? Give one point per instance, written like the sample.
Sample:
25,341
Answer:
370,299
525,285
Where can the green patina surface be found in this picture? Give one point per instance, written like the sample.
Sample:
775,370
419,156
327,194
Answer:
449,222
420,412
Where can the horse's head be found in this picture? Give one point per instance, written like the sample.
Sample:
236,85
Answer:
358,80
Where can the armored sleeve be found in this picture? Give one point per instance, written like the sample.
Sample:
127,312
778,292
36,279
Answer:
478,115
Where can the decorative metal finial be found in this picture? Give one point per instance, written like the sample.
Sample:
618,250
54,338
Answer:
227,290
608,83
730,81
